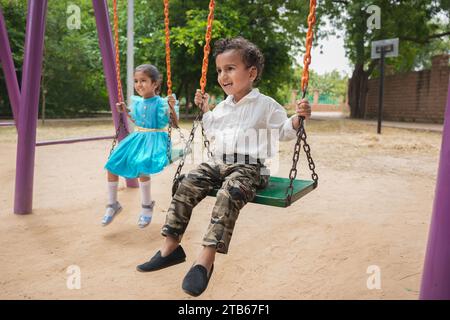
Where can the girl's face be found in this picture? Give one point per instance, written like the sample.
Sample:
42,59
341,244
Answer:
233,75
144,85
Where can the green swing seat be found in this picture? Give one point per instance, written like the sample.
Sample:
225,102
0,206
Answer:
275,192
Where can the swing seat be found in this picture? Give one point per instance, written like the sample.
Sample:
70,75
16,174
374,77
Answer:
275,193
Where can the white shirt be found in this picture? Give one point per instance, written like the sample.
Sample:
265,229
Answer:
253,126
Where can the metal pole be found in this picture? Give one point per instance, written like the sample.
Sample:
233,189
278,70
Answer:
109,66
7,124
72,140
130,54
43,90
381,92
130,51
436,273
29,106
9,69
44,93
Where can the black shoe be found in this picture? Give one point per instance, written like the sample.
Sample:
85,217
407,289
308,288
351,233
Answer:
158,262
196,280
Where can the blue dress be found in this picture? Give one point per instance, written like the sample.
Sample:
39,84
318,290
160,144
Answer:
142,152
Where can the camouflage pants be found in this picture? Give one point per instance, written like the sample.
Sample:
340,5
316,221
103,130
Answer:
237,183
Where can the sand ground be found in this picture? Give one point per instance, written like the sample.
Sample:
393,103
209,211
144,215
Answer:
372,207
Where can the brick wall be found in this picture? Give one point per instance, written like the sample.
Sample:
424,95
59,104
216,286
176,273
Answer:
414,96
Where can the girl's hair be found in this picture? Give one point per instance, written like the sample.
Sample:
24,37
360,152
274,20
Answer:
250,53
153,73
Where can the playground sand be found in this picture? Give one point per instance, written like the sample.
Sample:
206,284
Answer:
372,208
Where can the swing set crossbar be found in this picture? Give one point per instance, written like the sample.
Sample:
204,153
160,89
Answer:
72,140
7,124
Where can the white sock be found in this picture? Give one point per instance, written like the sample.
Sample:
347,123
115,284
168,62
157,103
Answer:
146,196
112,197
112,192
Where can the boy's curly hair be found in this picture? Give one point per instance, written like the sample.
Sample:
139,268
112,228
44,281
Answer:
250,53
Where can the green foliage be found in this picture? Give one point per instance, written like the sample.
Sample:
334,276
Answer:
413,22
260,21
14,16
332,86
73,80
73,72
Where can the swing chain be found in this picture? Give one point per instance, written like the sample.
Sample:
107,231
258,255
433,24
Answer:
187,149
116,137
183,139
206,50
206,143
169,141
293,171
301,133
311,164
307,148
301,137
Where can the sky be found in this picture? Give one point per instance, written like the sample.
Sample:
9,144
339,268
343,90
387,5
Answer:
333,54
331,58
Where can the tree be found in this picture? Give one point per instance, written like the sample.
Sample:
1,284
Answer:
277,27
331,84
72,68
73,74
15,22
415,23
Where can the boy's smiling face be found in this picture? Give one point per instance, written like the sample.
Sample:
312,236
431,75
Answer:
233,75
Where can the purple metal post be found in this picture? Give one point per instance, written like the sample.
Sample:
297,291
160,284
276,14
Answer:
105,41
436,272
29,105
8,68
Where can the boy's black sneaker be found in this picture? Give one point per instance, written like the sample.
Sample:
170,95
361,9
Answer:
158,262
196,280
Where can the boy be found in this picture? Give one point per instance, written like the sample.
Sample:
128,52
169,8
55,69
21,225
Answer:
237,168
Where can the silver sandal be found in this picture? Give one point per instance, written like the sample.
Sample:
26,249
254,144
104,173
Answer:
107,219
144,220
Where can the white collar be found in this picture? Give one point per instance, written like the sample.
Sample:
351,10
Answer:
249,96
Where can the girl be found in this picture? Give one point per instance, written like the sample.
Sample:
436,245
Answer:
143,152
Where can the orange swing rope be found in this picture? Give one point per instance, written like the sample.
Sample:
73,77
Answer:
309,40
167,33
207,48
117,55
